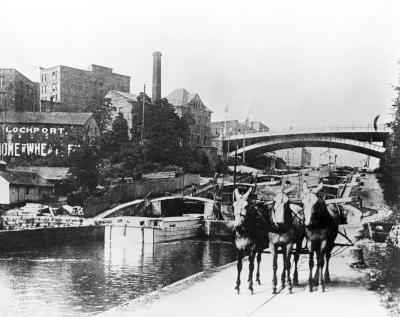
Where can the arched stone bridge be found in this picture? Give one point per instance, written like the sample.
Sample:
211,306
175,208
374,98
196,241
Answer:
357,138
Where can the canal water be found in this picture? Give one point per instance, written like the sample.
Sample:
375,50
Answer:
85,279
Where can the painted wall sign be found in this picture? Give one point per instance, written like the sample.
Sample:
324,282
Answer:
37,149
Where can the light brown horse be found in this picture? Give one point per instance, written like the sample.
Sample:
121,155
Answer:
321,222
285,229
251,238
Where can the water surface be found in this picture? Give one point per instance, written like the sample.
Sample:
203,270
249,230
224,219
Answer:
81,280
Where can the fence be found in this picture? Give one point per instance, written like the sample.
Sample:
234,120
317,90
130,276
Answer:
128,192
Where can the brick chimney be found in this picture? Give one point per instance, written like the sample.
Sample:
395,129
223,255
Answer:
156,93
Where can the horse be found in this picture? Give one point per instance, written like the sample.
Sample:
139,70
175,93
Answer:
251,237
321,223
285,228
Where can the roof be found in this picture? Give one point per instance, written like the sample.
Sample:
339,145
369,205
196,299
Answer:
181,97
126,95
24,178
67,118
47,172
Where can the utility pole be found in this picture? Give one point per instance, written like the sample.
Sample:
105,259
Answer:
244,146
143,103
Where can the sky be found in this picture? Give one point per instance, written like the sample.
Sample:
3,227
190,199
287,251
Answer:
284,63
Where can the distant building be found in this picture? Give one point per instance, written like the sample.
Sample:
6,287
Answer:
70,89
191,103
122,102
234,126
17,187
17,92
295,156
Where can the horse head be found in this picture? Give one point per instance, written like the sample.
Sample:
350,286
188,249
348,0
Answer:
239,207
310,200
278,210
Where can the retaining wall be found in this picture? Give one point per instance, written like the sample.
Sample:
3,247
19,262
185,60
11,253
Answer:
140,189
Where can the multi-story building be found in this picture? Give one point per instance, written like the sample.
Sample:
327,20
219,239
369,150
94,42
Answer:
122,102
70,89
18,93
295,156
187,103
234,126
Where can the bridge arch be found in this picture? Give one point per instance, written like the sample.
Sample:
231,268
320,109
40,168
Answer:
313,141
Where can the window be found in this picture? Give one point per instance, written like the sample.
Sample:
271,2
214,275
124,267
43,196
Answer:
54,75
101,82
54,86
55,97
2,81
2,96
26,190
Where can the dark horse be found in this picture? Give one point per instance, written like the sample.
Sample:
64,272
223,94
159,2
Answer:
321,222
285,228
251,237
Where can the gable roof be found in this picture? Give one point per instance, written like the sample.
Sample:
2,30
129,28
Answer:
126,95
24,178
181,97
67,118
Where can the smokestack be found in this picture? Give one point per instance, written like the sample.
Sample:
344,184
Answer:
156,93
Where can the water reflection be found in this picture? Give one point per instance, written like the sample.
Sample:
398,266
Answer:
80,280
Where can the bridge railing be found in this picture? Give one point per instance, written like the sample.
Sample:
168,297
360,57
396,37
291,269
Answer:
312,129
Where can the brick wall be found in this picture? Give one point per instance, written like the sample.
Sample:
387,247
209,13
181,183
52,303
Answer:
23,94
74,87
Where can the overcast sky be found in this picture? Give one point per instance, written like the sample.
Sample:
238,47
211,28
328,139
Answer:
281,62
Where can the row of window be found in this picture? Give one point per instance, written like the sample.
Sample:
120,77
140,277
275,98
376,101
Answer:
197,140
54,87
51,98
54,76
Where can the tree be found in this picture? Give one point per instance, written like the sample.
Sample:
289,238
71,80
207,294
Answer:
101,109
165,135
390,163
112,141
85,161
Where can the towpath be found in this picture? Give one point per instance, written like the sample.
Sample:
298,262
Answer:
213,294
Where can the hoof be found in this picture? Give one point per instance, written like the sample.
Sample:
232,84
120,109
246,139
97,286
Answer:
322,289
258,282
251,291
237,289
295,283
274,291
289,291
310,288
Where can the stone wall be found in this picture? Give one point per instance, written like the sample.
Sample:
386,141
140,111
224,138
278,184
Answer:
127,192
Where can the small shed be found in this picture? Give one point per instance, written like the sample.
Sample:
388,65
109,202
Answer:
21,187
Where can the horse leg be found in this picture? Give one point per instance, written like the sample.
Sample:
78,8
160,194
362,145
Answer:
316,275
296,257
283,275
274,250
258,267
310,265
289,248
239,269
327,276
321,266
251,269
